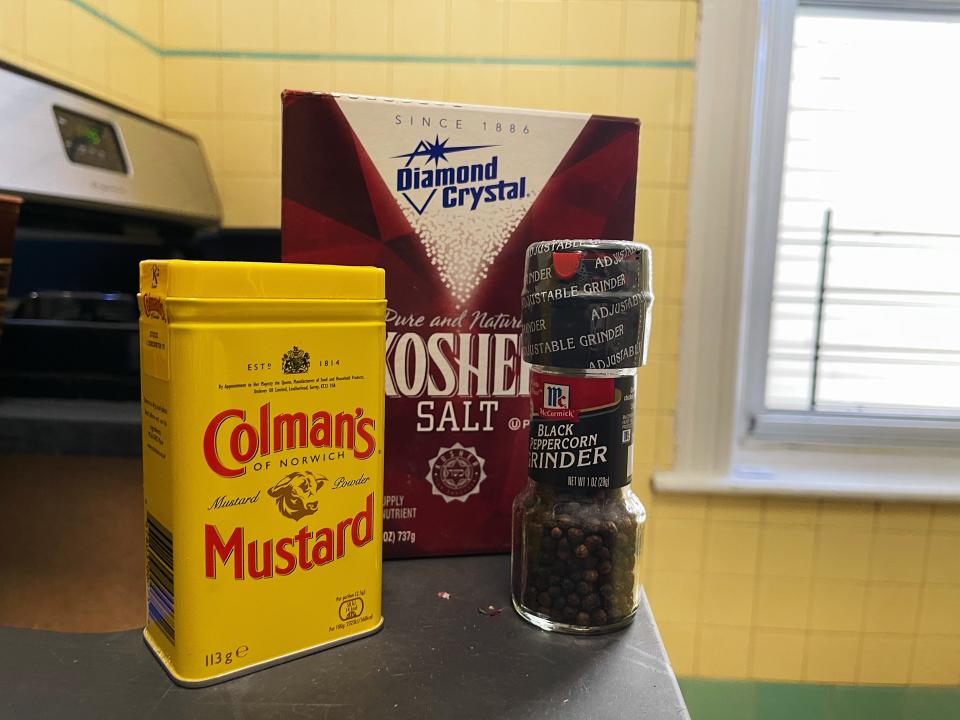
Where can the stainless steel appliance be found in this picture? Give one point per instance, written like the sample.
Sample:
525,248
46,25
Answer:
103,188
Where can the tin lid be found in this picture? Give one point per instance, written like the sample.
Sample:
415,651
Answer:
586,304
259,280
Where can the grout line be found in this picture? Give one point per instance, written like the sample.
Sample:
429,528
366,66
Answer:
621,81
751,647
858,671
811,583
378,57
391,13
332,36
701,592
428,59
447,44
118,26
505,44
915,634
562,79
220,108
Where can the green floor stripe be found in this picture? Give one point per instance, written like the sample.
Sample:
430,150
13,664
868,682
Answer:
747,700
380,58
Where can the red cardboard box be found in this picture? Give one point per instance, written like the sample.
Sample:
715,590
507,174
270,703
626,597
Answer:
447,198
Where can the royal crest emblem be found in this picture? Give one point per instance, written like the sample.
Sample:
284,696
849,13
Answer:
295,361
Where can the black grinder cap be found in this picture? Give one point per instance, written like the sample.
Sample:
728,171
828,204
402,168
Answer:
586,304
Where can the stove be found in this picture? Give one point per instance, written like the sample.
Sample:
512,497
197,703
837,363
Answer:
103,188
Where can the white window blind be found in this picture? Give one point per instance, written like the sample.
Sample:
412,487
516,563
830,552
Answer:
865,317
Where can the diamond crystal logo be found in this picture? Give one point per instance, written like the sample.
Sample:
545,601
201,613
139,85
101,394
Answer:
471,202
419,185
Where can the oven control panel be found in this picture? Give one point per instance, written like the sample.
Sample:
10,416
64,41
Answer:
89,141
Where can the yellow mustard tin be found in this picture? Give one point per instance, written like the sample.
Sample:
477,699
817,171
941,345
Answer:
262,407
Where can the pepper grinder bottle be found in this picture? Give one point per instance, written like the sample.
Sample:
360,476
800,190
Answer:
577,524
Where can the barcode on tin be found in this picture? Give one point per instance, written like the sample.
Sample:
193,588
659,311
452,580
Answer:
160,577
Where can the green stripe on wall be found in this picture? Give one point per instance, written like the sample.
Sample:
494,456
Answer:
380,58
746,700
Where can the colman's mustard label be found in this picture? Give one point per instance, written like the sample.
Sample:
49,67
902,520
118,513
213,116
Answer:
262,401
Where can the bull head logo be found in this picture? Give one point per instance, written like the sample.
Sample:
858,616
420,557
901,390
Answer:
296,494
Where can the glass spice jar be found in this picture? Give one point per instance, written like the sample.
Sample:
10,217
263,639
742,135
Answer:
577,524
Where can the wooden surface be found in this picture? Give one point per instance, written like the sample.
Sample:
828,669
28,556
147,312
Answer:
71,543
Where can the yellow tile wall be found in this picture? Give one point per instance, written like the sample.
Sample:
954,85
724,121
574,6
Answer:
62,40
230,101
819,591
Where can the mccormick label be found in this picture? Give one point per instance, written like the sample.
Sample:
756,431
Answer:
263,426
447,198
581,430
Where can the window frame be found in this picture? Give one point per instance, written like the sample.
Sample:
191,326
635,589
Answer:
726,440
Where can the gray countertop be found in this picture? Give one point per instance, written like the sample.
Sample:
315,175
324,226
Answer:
434,658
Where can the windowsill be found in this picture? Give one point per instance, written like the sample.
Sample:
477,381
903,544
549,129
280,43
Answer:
828,473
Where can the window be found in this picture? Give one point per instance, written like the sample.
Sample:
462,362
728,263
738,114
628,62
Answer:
866,296
825,272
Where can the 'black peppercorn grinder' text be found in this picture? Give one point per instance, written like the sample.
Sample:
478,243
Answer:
577,525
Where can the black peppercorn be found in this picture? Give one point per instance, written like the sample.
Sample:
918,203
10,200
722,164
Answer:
606,590
604,568
544,599
582,551
598,617
583,618
591,601
573,600
590,576
556,533
554,591
593,542
575,535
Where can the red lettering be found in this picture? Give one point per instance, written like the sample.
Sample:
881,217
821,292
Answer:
256,560
342,536
265,429
323,549
236,442
295,423
345,426
320,429
365,516
301,538
288,557
210,444
365,427
286,431
213,545
267,553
